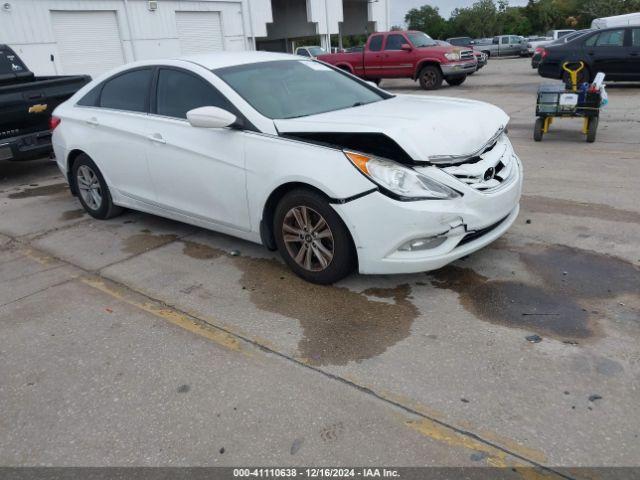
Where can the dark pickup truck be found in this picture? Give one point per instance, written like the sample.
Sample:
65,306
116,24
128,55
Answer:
26,103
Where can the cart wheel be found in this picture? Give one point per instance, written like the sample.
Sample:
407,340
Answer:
592,129
537,129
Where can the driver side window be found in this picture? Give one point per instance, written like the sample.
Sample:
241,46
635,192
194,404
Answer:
179,91
395,42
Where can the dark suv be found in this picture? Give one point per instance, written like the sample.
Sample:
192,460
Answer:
614,51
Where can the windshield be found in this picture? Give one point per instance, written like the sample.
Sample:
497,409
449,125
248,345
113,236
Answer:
297,88
315,51
420,39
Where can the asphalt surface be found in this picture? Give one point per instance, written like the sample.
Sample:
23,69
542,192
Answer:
142,341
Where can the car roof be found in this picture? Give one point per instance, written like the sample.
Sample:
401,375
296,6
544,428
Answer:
212,61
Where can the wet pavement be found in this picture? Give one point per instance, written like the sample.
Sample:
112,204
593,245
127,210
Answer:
151,342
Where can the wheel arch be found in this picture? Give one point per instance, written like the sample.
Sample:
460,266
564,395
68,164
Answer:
268,212
425,63
346,67
71,159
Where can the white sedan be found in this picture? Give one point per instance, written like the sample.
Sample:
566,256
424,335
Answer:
330,170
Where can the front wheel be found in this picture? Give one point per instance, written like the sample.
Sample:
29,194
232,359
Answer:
538,129
93,191
430,78
312,239
454,82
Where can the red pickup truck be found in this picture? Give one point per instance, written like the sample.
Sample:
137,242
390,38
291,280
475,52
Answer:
407,55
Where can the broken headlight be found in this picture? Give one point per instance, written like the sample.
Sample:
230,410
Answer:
400,181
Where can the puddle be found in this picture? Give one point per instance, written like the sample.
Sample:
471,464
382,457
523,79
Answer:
515,304
572,279
71,215
200,251
339,325
143,242
582,273
44,191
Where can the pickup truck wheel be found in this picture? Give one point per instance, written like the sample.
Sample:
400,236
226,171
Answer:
454,82
312,239
430,78
93,191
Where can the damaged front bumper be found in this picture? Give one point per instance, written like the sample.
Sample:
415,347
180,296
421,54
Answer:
440,230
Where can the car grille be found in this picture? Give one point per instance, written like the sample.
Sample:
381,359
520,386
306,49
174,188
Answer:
489,170
466,55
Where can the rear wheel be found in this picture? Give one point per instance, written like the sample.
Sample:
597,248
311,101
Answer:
537,129
93,191
430,78
312,239
592,128
454,82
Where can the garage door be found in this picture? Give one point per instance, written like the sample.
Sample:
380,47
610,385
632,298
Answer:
88,41
199,32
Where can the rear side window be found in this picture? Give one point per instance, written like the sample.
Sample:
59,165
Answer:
10,63
635,37
127,91
395,42
91,98
179,92
613,38
375,45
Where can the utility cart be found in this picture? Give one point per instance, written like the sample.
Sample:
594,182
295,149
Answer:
569,101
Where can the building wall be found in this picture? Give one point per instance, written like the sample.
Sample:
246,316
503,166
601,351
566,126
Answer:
27,27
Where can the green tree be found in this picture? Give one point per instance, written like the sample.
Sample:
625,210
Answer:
427,19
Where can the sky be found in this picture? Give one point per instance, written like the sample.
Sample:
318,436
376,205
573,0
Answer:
400,7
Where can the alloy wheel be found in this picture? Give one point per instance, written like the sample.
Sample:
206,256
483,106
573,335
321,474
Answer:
429,78
308,238
89,187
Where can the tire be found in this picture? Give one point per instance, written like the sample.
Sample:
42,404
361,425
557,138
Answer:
487,52
537,129
430,77
289,220
93,192
454,82
592,128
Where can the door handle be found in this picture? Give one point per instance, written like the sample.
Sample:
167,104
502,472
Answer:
92,121
156,137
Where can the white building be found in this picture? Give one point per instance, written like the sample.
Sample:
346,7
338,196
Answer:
92,36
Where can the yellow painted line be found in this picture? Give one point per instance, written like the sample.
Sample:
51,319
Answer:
38,256
170,315
494,457
440,433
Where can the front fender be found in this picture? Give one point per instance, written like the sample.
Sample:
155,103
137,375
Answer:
273,161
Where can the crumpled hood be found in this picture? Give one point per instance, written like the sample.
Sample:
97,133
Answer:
423,126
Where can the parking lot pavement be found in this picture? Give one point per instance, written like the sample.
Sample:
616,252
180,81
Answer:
145,341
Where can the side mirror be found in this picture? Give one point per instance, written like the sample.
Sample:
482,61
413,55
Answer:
210,117
406,47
